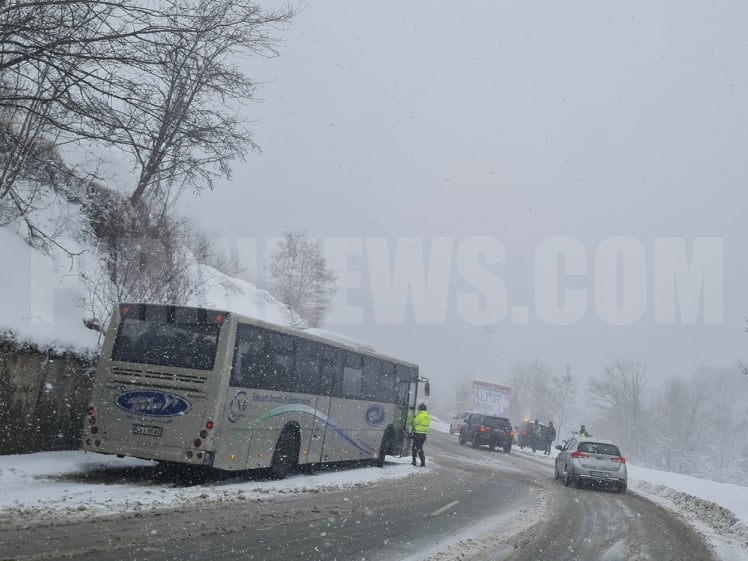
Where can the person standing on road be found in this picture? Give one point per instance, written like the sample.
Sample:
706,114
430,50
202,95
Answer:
421,423
537,435
583,432
549,435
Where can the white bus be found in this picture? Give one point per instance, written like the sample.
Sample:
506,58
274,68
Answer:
214,388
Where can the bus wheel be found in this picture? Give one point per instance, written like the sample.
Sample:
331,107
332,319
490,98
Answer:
384,448
285,456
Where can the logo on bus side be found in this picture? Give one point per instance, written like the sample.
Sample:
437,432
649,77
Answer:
153,403
238,406
375,415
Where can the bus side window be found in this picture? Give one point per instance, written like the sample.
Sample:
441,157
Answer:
332,372
327,370
388,383
279,365
307,373
370,388
247,352
251,365
352,376
406,377
240,371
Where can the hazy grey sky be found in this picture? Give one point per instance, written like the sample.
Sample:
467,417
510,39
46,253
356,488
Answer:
517,122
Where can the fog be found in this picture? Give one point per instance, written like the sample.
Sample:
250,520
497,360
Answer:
571,176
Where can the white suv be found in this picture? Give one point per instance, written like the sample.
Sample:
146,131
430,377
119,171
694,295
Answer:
458,421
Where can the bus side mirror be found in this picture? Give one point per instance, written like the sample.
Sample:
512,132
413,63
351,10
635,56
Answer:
427,389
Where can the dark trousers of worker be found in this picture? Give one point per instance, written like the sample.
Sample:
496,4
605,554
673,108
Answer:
418,440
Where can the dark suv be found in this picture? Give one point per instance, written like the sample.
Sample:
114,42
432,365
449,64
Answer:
480,430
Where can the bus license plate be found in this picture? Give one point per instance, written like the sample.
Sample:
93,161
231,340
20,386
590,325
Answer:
146,430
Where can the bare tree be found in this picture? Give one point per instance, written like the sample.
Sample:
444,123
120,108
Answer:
206,252
742,365
154,78
182,123
565,391
299,277
531,383
680,418
728,425
620,392
140,258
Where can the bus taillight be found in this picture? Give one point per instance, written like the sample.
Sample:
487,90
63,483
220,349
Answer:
209,425
203,433
91,412
197,443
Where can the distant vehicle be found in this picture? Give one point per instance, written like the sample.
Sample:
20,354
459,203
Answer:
481,430
458,421
221,390
487,398
591,460
527,438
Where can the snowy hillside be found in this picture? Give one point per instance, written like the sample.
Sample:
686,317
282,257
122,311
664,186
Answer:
43,297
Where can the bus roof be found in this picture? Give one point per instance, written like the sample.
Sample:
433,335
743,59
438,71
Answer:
324,335
344,339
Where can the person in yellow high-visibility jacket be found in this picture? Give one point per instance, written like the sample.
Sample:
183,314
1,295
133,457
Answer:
421,423
409,428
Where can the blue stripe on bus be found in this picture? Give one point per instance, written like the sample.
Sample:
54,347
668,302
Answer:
309,411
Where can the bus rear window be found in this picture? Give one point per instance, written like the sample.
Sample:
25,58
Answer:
166,343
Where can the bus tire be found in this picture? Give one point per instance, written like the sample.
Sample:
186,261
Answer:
384,447
286,455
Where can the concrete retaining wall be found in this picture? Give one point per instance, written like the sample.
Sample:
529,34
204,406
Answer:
43,397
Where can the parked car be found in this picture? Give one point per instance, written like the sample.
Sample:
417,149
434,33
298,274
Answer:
480,430
458,421
591,460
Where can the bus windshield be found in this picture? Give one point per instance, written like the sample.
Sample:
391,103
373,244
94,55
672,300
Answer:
164,342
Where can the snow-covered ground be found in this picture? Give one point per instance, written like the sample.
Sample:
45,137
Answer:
65,484
718,510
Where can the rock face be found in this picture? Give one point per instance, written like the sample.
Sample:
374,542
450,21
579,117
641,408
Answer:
43,397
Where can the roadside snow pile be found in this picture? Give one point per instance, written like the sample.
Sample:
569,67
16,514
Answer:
73,485
716,518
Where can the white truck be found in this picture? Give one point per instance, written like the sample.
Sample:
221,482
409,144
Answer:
484,397
488,398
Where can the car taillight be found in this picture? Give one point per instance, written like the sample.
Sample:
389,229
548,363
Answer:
484,429
511,433
619,459
576,454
